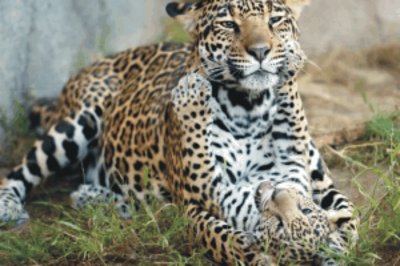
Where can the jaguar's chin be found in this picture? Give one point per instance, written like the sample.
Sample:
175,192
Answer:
260,81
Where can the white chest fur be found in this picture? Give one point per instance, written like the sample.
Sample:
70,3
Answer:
241,147
239,137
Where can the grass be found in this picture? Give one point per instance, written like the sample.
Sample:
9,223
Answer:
378,155
98,236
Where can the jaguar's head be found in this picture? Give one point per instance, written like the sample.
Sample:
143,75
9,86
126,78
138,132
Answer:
251,43
293,225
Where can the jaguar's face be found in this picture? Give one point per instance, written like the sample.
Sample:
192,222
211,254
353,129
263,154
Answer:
253,43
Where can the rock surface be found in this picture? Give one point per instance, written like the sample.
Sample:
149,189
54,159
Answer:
327,25
43,42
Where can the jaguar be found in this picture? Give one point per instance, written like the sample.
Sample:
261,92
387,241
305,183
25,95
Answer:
216,126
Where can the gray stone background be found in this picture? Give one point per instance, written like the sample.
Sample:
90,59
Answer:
351,24
43,42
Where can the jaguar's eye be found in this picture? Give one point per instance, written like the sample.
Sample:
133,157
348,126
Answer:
228,24
306,211
274,20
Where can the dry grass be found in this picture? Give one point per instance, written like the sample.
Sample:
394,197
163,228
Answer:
385,57
339,66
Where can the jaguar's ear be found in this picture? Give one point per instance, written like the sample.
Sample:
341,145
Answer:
185,13
297,6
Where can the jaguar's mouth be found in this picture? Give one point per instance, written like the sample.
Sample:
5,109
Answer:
259,73
259,80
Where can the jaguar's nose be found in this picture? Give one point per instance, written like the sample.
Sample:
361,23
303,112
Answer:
259,53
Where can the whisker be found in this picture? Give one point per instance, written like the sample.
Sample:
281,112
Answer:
314,64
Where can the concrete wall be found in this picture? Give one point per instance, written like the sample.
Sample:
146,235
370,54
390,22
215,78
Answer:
42,42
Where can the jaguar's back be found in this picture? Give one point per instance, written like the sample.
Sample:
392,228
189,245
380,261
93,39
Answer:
153,66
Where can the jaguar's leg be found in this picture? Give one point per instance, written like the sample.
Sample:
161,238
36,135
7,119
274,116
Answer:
97,189
340,209
66,143
290,137
223,243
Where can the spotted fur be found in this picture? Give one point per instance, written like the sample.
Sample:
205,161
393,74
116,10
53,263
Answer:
216,126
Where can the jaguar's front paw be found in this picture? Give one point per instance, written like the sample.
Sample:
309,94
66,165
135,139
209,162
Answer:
11,207
92,195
